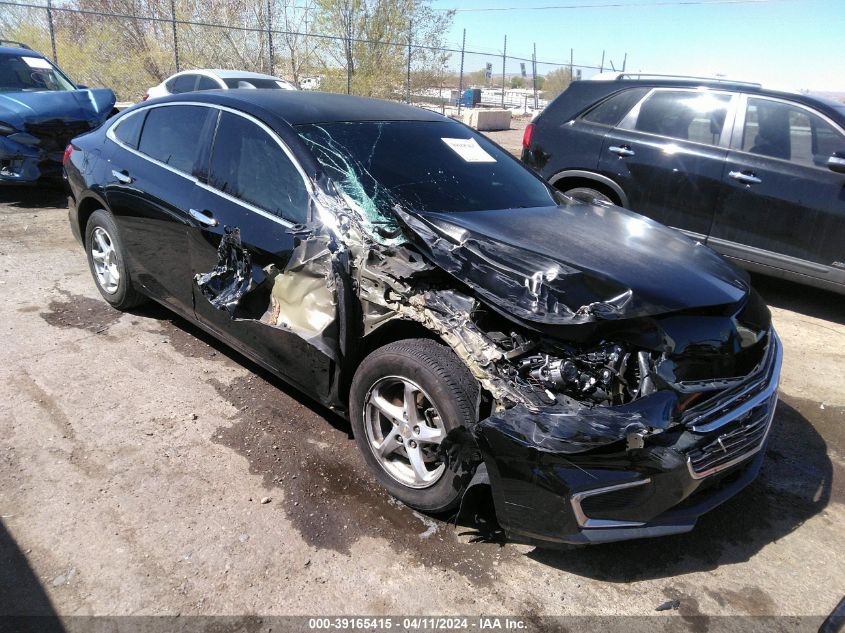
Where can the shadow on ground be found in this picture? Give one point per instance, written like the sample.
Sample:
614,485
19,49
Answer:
24,604
35,197
806,300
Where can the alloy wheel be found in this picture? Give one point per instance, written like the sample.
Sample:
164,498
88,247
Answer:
105,260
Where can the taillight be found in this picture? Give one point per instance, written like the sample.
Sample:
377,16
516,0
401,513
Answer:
146,96
526,136
68,152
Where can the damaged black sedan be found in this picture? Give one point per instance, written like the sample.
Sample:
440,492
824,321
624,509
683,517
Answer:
606,376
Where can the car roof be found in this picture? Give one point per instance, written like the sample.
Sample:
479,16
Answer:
296,107
227,74
16,50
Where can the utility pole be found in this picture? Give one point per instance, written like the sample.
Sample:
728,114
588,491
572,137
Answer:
270,33
461,79
504,60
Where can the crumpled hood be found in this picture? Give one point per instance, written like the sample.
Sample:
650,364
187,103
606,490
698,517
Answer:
19,108
576,263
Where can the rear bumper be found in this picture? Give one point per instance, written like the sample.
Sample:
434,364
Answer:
547,495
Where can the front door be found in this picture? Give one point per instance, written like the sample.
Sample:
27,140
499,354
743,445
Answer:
254,187
668,154
783,205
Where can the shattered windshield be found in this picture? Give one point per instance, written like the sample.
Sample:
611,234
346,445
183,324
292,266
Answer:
421,165
25,73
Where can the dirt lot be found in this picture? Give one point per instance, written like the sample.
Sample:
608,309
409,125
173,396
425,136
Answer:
136,452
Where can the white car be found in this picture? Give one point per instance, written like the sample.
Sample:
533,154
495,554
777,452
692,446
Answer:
215,79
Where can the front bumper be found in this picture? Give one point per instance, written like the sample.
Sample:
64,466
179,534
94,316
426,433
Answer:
26,164
604,490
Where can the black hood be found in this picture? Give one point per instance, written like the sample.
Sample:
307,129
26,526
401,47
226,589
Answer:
576,263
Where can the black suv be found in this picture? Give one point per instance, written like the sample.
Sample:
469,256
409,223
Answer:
757,175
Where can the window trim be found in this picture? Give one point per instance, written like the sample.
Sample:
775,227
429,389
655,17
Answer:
739,128
630,120
309,188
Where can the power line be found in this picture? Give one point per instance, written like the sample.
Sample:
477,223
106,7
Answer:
614,5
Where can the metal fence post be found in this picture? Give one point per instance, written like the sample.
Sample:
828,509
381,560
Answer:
624,62
175,37
52,30
534,75
504,59
461,79
571,65
270,33
601,70
408,79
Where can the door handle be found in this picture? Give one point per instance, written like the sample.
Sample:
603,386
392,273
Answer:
203,217
745,177
621,150
122,176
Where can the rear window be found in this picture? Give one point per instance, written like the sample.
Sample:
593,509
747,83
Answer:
19,73
128,129
250,83
611,110
422,165
173,135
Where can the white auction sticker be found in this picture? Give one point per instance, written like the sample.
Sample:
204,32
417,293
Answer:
36,62
469,150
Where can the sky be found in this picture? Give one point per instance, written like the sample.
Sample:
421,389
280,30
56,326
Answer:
787,44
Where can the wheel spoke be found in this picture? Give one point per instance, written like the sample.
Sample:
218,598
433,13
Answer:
391,411
417,463
390,443
409,408
98,256
105,247
430,435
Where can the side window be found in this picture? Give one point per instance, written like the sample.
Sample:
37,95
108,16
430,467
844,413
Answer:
128,129
183,83
173,135
207,83
684,115
780,130
610,111
248,164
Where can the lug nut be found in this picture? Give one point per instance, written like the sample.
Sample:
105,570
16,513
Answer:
412,444
399,438
416,430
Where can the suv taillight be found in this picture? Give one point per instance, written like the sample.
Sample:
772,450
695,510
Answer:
68,152
146,96
526,136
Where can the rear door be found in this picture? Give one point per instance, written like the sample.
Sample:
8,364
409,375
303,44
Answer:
255,186
151,186
668,154
783,206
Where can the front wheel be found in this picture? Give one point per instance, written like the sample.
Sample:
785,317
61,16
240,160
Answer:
588,194
405,397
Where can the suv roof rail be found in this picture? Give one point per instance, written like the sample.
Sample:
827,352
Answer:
14,43
723,80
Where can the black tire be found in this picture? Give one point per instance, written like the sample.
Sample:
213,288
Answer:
587,194
453,391
124,296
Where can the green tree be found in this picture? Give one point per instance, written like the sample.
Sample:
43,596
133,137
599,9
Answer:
556,82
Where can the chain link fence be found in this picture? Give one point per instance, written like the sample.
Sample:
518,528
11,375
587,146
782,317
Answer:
131,45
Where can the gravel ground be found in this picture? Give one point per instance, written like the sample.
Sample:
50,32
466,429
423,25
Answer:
136,452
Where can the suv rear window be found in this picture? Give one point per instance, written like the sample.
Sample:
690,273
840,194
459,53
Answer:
684,115
611,110
173,135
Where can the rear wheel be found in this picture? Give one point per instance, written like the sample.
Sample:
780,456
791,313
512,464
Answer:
404,399
588,194
107,262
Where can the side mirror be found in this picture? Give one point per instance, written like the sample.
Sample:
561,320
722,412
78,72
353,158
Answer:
82,87
836,163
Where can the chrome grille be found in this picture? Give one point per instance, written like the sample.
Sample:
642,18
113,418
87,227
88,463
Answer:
742,439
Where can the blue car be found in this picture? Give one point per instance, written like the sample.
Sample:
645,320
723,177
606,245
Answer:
41,109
